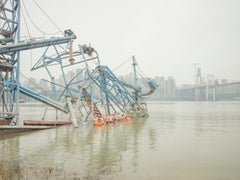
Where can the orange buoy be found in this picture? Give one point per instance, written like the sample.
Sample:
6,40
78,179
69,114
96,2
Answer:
128,119
97,124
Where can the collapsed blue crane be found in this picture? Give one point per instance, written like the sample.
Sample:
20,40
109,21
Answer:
89,92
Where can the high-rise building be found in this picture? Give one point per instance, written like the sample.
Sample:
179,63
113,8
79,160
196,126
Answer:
170,87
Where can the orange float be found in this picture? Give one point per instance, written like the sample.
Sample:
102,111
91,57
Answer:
128,119
98,124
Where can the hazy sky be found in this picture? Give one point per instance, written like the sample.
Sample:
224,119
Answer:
166,36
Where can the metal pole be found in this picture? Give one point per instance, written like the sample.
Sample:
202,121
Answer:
135,78
73,117
18,65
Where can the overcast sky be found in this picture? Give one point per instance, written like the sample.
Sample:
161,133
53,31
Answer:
166,36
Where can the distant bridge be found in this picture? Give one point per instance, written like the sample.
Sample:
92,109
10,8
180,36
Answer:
228,91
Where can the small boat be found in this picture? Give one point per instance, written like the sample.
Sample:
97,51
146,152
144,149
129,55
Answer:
45,123
4,122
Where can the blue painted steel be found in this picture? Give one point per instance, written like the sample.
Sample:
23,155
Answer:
44,99
10,57
153,84
9,76
114,90
33,44
135,72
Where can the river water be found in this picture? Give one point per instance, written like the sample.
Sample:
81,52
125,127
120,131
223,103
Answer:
179,141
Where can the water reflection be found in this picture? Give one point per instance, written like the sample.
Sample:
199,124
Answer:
69,152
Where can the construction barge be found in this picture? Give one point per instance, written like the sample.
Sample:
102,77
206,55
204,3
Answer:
30,125
5,129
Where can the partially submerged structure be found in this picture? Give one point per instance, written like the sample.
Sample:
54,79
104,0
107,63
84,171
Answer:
94,90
